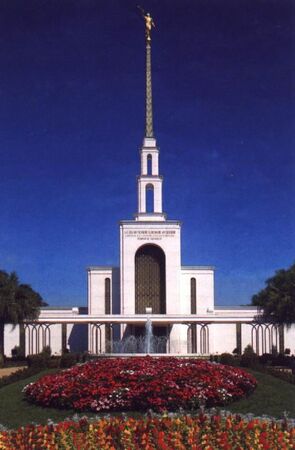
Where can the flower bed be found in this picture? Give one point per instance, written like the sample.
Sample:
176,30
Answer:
202,432
139,384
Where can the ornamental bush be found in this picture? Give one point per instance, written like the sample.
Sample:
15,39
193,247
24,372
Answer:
140,384
227,359
68,360
40,360
249,357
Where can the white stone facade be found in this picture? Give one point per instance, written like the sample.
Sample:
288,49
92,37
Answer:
152,229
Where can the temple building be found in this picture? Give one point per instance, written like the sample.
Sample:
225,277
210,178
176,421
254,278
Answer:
151,284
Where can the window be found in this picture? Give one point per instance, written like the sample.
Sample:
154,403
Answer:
149,165
107,293
193,296
149,196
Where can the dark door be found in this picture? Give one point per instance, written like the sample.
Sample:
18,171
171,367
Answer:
150,280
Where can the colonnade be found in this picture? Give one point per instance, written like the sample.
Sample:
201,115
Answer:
263,337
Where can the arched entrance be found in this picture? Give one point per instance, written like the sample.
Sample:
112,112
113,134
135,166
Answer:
150,279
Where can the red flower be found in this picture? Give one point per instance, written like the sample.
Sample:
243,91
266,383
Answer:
141,383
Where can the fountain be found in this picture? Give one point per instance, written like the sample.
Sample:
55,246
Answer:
146,343
148,332
148,336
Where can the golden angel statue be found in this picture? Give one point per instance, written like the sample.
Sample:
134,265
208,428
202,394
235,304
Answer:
149,23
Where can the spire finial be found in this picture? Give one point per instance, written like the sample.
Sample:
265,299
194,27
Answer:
149,23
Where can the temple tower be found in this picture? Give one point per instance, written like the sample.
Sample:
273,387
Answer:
150,273
150,261
149,182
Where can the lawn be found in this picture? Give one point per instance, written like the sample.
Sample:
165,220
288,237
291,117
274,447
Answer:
272,397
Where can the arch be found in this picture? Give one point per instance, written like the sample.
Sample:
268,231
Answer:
149,198
198,338
264,337
96,338
150,279
192,338
149,164
204,339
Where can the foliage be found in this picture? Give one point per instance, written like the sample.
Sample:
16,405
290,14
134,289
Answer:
227,359
266,359
271,396
41,360
16,352
282,375
18,302
277,300
248,350
140,384
154,433
69,360
46,350
214,358
276,359
249,357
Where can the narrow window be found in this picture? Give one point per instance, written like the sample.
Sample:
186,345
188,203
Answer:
149,165
149,193
193,296
107,293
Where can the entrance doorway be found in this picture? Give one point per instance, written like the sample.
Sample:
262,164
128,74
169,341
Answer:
150,280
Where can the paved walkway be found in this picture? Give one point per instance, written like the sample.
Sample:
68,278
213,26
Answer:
8,370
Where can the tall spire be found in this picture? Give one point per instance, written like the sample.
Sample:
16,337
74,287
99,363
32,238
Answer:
149,23
149,182
149,133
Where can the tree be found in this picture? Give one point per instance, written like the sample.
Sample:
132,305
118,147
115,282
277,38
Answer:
18,302
276,301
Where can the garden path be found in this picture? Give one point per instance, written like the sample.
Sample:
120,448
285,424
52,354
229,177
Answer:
9,370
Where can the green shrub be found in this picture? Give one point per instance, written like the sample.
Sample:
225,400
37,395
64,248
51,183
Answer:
68,360
40,360
281,360
46,351
54,362
249,357
286,376
1,361
266,359
16,353
227,359
212,358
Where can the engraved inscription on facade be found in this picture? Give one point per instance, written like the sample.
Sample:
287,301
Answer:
147,235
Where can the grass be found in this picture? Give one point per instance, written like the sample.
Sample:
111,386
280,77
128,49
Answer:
272,397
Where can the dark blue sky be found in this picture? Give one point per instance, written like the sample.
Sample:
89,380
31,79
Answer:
72,121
